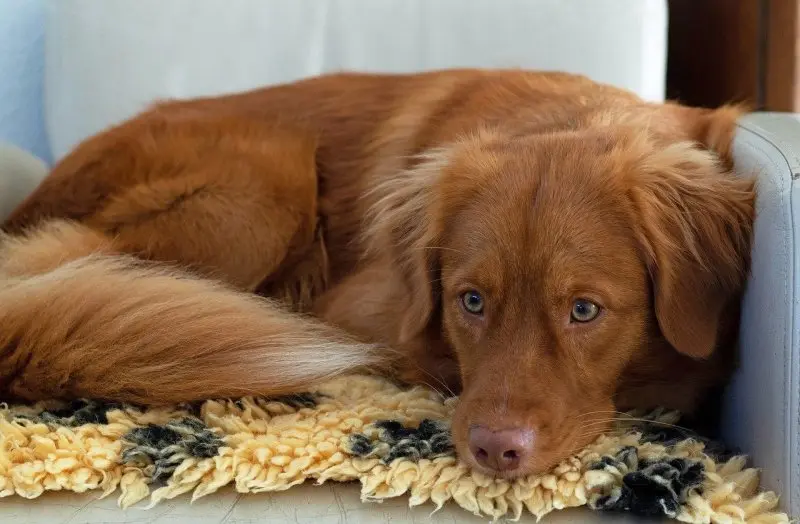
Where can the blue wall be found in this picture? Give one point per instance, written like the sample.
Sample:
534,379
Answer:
21,78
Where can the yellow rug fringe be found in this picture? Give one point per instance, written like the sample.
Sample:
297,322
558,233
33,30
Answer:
269,446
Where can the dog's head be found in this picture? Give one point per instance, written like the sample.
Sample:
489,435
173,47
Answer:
556,262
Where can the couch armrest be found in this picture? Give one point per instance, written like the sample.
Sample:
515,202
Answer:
762,407
20,173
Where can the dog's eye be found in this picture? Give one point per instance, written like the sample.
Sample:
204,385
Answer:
584,311
472,302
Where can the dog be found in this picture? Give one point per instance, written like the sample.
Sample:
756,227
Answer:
551,248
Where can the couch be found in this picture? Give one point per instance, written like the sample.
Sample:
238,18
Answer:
103,61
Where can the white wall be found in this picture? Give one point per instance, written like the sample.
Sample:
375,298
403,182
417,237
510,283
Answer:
21,66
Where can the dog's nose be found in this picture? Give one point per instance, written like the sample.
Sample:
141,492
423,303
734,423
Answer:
502,450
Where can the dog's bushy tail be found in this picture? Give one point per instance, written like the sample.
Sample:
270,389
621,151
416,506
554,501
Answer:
77,320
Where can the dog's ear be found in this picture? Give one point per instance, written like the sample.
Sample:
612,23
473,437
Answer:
695,225
403,230
714,129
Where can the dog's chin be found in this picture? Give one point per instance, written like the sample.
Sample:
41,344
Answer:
509,475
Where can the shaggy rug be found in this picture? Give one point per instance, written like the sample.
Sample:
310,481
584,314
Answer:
394,441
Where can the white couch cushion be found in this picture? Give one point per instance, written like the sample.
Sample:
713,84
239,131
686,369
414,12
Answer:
106,60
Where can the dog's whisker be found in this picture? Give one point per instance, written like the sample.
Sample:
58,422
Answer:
591,413
638,421
439,380
434,388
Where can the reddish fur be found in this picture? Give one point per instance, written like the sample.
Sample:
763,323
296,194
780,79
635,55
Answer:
373,201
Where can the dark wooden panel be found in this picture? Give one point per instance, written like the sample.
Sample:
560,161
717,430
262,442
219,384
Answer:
714,51
782,75
735,51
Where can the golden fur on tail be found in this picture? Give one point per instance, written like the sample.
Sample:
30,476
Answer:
79,320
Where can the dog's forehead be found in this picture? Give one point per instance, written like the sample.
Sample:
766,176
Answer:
534,200
556,161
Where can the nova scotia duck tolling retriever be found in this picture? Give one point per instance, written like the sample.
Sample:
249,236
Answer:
552,249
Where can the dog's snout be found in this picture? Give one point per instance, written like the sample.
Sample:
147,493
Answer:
502,450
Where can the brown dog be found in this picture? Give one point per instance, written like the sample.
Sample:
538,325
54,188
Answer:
555,248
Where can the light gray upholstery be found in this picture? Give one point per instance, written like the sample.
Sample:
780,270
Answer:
762,415
21,78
